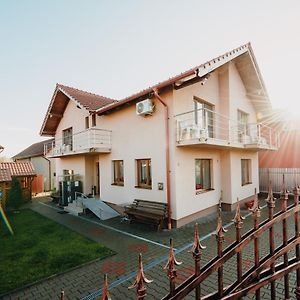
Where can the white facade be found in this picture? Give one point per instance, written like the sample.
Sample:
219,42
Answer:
135,137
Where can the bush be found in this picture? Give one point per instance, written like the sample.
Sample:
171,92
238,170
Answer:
15,198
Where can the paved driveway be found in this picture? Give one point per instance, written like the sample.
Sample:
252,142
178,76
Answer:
130,239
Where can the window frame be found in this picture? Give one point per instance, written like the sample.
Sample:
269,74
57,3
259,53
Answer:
243,124
140,184
204,189
204,115
67,137
116,168
245,180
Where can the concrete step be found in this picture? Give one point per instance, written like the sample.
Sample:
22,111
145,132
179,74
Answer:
74,209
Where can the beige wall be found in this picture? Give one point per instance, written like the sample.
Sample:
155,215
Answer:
188,201
238,98
135,137
73,117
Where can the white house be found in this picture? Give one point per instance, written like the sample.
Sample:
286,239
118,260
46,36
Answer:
182,141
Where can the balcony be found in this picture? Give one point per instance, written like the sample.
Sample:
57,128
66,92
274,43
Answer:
206,127
91,140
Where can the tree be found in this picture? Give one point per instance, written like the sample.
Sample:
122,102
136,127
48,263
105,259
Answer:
15,198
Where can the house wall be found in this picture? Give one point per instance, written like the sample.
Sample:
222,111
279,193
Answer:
141,137
238,98
73,117
225,90
135,137
188,202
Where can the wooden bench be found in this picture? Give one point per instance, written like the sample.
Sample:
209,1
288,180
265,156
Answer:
148,212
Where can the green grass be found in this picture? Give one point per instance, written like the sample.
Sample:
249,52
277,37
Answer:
40,248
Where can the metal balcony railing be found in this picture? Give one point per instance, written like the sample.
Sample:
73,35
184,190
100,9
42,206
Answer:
207,126
92,139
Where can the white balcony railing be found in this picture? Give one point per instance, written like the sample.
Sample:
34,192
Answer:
89,140
204,126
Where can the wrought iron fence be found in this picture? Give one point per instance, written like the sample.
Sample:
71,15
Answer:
265,270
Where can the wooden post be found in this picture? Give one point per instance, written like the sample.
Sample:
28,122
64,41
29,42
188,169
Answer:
170,266
256,215
283,202
271,205
140,280
238,222
296,218
197,252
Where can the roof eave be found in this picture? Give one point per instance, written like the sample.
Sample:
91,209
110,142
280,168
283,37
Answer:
200,70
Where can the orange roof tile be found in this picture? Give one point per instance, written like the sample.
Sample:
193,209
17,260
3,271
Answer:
90,101
18,168
5,175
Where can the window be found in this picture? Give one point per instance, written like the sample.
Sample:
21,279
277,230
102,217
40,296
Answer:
68,175
243,127
246,171
144,177
94,120
204,117
118,172
87,122
68,137
203,175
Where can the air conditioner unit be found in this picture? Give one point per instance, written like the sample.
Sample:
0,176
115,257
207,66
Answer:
144,107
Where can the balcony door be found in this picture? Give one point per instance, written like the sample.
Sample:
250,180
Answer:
204,117
68,138
243,126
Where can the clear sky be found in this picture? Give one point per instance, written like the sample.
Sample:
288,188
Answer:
115,48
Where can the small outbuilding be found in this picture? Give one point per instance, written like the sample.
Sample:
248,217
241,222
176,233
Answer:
24,172
44,166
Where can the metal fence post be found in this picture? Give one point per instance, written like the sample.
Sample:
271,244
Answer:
170,266
197,252
140,280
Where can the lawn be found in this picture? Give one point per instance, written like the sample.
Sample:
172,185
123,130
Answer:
40,248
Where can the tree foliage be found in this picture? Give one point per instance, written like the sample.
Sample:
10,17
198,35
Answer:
15,198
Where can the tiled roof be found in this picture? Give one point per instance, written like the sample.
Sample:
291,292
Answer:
90,101
18,169
200,71
5,175
36,149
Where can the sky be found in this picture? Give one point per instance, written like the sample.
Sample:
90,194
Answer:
118,47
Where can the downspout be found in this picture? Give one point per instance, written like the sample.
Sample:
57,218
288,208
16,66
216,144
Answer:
166,117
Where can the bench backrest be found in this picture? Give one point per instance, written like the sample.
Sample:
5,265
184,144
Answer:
151,205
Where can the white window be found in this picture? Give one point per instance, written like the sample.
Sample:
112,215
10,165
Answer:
203,181
204,116
118,170
246,171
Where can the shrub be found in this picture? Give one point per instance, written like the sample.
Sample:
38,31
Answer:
15,198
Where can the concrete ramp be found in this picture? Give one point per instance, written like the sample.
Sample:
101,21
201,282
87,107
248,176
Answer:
99,208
